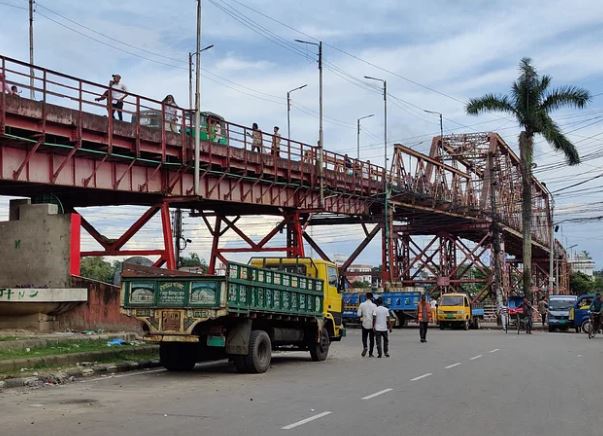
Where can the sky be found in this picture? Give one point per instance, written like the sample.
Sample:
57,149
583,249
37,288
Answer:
434,55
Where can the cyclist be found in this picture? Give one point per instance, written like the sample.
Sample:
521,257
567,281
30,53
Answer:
595,310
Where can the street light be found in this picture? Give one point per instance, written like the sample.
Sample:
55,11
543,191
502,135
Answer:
358,134
441,123
289,109
190,74
386,233
320,130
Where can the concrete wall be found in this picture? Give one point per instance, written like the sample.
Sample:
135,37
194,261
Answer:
35,247
101,311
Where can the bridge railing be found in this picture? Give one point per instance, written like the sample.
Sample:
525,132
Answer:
176,126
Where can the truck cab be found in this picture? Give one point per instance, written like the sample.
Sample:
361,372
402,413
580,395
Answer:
559,311
454,309
579,313
317,269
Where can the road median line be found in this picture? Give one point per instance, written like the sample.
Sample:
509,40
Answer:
306,420
376,394
476,357
453,365
421,376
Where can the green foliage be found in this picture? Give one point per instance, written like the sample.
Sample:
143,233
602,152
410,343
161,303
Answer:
194,260
360,284
531,101
97,268
580,283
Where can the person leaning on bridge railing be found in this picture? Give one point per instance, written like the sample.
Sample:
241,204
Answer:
4,88
170,111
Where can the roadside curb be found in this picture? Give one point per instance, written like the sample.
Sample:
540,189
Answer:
70,375
71,358
20,344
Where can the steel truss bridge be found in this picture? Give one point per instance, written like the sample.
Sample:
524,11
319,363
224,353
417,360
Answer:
444,209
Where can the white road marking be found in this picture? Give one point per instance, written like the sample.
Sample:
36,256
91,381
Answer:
128,374
476,357
376,394
421,376
494,351
453,365
305,421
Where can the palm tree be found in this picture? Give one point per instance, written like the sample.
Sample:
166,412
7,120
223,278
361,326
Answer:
531,102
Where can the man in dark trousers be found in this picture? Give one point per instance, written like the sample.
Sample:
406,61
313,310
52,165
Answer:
366,311
382,325
423,315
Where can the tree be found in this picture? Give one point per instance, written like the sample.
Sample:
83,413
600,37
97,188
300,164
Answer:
580,283
531,103
193,261
359,284
97,268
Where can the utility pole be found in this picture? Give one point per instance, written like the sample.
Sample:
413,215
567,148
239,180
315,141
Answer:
320,123
178,236
289,109
32,82
198,101
386,212
495,233
190,80
358,134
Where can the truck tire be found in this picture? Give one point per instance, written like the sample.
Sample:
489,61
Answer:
320,350
177,357
476,323
260,354
466,325
442,325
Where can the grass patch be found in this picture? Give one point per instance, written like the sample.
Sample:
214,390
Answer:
117,357
67,347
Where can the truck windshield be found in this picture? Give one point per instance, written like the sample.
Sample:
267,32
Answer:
560,304
452,300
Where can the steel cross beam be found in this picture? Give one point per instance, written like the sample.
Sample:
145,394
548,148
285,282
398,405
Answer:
114,247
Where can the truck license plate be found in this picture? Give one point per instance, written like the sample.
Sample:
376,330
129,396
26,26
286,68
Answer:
171,320
450,316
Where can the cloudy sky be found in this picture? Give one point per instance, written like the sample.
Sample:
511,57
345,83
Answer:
435,55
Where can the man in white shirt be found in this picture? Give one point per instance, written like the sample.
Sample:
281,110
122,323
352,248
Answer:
382,325
118,94
366,311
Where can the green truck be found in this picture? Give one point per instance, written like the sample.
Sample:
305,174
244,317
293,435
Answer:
271,304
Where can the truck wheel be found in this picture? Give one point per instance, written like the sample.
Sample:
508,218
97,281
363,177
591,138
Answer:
466,325
441,325
320,350
176,356
476,324
259,356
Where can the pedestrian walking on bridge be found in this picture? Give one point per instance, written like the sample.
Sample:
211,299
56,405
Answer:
366,311
423,316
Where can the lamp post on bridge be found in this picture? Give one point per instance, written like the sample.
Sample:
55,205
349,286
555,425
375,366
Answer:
358,134
320,116
190,74
289,108
441,123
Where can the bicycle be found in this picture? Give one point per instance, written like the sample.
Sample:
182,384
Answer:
521,319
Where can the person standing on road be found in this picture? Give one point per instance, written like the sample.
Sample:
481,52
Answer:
382,325
542,307
366,311
423,315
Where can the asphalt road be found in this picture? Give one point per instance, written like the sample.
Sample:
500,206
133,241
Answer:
459,383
